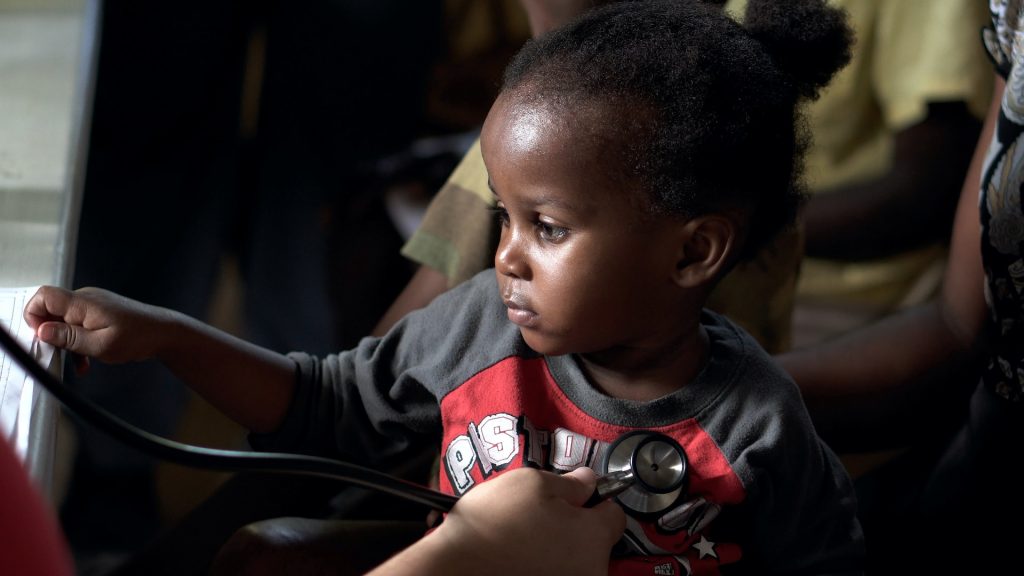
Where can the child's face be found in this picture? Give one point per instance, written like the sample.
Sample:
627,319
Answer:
578,267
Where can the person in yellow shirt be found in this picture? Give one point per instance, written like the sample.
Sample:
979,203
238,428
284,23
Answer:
892,139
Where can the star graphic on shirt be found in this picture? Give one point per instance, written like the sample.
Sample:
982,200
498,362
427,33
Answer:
706,548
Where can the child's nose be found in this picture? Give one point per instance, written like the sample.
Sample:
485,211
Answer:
509,260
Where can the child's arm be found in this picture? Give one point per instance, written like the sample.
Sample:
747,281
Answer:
251,385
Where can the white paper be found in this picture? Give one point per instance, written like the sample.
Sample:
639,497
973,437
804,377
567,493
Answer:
17,390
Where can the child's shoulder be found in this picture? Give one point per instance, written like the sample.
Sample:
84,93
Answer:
731,338
737,361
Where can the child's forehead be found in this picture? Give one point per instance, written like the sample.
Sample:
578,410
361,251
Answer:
538,155
531,121
524,124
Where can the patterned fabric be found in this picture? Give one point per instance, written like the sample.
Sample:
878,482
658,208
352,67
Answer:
1002,212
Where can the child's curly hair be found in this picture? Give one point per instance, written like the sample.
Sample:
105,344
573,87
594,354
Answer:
710,107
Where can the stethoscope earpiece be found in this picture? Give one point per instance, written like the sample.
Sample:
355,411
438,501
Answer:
646,472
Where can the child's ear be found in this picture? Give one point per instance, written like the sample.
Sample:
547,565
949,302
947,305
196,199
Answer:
706,248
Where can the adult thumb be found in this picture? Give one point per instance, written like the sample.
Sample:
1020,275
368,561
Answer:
609,514
579,485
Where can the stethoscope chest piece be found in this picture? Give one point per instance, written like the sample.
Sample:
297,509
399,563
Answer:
658,467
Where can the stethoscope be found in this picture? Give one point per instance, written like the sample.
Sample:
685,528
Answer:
644,471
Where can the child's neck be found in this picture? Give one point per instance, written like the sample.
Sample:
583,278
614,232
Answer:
647,373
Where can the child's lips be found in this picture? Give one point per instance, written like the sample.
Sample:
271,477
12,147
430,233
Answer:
519,312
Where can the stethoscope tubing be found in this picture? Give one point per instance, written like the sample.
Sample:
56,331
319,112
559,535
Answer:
218,459
608,485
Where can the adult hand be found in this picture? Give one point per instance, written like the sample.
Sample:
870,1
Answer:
523,522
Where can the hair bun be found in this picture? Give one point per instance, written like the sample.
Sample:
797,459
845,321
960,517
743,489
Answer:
808,40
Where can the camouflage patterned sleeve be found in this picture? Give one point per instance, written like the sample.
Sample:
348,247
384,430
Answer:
458,235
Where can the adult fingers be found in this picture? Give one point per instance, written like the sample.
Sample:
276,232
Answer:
577,486
611,516
606,514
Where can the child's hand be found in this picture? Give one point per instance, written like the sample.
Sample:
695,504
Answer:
250,384
95,323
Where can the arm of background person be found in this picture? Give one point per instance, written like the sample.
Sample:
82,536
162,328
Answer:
425,285
525,521
929,159
872,388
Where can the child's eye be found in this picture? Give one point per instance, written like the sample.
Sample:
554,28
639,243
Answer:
501,214
551,233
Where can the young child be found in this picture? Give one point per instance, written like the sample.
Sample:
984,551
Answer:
635,155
